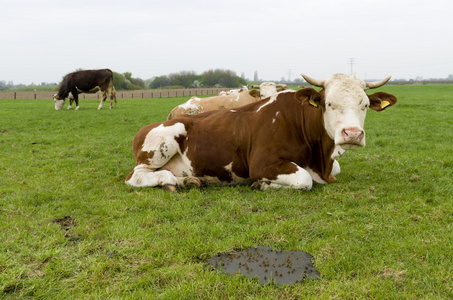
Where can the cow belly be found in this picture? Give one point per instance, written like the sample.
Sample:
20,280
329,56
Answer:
89,91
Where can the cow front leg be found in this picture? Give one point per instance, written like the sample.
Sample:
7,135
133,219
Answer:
143,176
293,177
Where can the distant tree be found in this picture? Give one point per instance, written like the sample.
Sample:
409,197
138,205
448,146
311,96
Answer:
183,78
120,82
128,75
138,82
255,76
223,78
160,81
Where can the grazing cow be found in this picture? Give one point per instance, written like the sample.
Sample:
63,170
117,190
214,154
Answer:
197,105
286,141
88,81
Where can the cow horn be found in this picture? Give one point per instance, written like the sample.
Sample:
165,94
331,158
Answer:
312,81
376,84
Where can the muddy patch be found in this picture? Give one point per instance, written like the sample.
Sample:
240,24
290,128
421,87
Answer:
67,223
267,265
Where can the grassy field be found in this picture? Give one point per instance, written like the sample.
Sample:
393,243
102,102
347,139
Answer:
70,227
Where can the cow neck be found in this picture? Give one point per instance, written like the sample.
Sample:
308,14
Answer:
314,135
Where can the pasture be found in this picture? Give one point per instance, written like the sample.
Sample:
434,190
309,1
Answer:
71,228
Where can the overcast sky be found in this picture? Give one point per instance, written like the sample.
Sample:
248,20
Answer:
44,40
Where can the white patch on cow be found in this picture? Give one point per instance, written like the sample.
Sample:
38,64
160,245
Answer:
69,106
233,110
271,100
301,179
77,107
161,140
275,118
192,106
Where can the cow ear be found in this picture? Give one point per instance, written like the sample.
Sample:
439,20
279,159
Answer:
309,97
380,101
255,93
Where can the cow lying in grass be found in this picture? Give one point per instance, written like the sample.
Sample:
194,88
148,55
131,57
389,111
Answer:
287,140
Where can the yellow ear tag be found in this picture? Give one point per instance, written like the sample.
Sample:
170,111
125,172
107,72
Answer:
312,103
384,104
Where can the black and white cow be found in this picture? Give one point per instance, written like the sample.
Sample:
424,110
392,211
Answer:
87,81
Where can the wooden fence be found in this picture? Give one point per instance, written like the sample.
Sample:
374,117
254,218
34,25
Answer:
119,94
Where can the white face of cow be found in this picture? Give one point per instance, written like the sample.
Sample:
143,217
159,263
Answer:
346,104
58,103
267,89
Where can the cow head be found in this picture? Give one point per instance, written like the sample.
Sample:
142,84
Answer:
344,104
267,89
59,103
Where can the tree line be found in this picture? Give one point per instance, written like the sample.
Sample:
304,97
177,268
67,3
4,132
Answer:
125,81
183,79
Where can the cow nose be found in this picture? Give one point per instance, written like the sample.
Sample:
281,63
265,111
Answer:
352,135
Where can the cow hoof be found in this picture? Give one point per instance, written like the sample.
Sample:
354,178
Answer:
257,185
192,182
170,188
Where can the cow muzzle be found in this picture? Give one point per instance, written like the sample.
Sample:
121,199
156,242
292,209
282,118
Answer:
352,138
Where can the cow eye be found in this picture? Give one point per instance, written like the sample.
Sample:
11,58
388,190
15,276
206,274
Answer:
365,107
329,105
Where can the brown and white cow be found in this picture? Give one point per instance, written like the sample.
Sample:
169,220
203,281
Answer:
234,91
196,105
286,141
87,81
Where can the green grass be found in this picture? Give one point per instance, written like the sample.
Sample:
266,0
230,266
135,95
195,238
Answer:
383,231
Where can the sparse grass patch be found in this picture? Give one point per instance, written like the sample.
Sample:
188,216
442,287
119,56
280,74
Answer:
383,231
